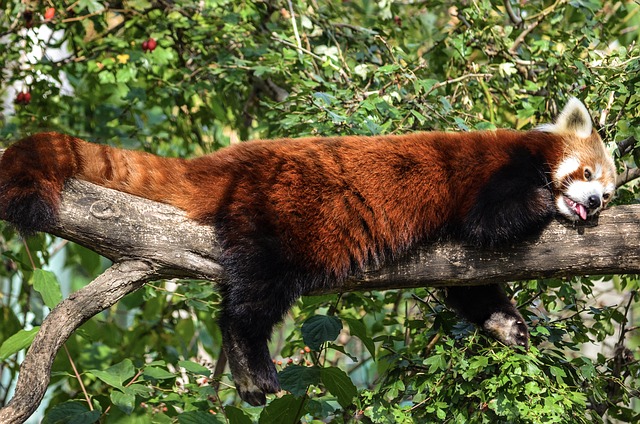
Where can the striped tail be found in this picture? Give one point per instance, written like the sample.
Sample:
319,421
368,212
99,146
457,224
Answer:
34,170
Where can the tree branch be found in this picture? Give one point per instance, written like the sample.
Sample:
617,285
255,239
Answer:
531,25
515,18
626,146
148,240
102,293
629,174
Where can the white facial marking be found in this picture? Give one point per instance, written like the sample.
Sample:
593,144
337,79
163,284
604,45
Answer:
598,174
580,191
576,198
566,167
565,210
610,188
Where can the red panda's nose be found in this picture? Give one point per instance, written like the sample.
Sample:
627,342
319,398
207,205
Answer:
593,202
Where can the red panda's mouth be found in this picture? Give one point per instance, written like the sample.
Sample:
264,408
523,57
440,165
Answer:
578,208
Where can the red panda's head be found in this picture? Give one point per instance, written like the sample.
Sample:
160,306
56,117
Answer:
584,176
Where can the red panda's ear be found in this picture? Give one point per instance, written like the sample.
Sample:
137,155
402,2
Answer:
573,119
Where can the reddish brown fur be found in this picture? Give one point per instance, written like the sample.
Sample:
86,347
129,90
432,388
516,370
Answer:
293,215
403,188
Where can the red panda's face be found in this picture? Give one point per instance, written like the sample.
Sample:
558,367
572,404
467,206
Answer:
584,183
585,175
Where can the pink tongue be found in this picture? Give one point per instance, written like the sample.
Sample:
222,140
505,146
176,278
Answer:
582,211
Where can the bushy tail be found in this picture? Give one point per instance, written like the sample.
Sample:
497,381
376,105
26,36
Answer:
34,170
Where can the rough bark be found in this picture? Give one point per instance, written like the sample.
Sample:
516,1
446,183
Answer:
148,240
123,227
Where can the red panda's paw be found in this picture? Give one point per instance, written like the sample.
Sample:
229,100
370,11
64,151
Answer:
508,328
254,373
253,387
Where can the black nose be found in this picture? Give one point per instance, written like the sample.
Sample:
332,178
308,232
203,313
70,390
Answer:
593,202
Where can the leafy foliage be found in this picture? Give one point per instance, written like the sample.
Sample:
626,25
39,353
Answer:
224,71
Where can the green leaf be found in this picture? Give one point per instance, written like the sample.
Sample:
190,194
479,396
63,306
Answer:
198,417
91,5
341,350
157,373
297,379
195,368
116,375
339,384
72,412
236,416
287,409
46,283
22,339
138,390
477,362
421,118
436,362
327,99
9,322
358,329
319,329
558,373
125,401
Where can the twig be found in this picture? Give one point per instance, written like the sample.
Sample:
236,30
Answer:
625,320
78,377
455,80
295,30
516,19
605,112
628,175
83,17
540,17
310,53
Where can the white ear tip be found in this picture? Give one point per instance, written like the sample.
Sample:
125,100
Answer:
575,103
574,118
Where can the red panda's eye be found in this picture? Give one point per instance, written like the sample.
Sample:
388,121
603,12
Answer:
587,174
606,196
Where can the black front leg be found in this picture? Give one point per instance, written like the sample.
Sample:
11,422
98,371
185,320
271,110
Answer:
249,313
489,308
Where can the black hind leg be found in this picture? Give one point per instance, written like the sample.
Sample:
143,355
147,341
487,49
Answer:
248,315
489,308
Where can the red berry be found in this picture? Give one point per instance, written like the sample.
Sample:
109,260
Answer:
49,13
23,98
149,45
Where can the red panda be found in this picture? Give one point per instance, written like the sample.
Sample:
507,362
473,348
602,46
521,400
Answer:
294,215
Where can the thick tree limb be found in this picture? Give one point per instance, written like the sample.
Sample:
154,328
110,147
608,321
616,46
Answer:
148,240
